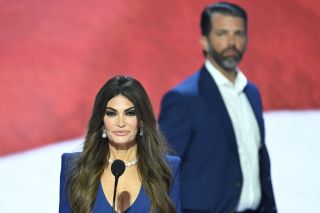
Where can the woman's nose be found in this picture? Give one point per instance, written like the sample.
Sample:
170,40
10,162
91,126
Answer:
121,121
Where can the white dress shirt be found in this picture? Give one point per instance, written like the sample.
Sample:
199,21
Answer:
246,131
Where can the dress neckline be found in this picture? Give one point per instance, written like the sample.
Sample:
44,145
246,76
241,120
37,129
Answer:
110,205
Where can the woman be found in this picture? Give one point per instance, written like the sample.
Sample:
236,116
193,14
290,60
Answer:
122,126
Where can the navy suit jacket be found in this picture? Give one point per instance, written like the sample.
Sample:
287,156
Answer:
64,205
197,125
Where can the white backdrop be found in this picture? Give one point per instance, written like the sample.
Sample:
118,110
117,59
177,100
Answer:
29,181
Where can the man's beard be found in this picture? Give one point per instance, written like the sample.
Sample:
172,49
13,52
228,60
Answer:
228,63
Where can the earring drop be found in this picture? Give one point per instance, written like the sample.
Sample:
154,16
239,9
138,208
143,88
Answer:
104,133
141,129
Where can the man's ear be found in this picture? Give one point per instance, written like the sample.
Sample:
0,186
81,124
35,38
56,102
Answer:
204,43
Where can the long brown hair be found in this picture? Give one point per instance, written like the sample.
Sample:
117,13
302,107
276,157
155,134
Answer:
152,166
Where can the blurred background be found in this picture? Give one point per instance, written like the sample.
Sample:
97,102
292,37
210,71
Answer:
55,55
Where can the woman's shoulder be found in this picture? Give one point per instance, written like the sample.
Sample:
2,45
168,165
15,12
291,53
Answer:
173,161
173,158
68,156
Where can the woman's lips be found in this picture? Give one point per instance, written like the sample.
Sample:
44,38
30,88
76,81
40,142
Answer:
121,133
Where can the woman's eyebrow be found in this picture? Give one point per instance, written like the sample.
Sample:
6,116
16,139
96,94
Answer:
129,109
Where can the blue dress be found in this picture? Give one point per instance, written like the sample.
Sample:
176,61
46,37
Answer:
142,204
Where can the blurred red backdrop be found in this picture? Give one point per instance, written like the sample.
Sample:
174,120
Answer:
55,55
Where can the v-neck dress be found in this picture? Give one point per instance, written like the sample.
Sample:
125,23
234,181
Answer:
142,204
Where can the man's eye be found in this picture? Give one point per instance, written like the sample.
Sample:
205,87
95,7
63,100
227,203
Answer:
241,34
110,113
221,33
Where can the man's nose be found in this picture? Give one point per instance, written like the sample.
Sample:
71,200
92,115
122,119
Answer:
231,40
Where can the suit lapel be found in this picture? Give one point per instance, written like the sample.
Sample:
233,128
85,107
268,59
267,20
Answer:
210,92
254,101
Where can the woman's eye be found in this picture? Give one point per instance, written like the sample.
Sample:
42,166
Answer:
131,113
110,113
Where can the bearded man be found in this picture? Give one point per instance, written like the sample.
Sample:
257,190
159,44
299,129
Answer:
214,122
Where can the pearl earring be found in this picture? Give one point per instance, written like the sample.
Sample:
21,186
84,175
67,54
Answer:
104,133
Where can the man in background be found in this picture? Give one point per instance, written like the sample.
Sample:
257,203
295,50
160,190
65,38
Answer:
214,122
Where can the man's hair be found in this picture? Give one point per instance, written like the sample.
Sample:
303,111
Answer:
224,8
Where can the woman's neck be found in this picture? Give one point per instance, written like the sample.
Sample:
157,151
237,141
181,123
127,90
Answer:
125,154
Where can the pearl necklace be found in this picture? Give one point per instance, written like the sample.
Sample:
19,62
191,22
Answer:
128,164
